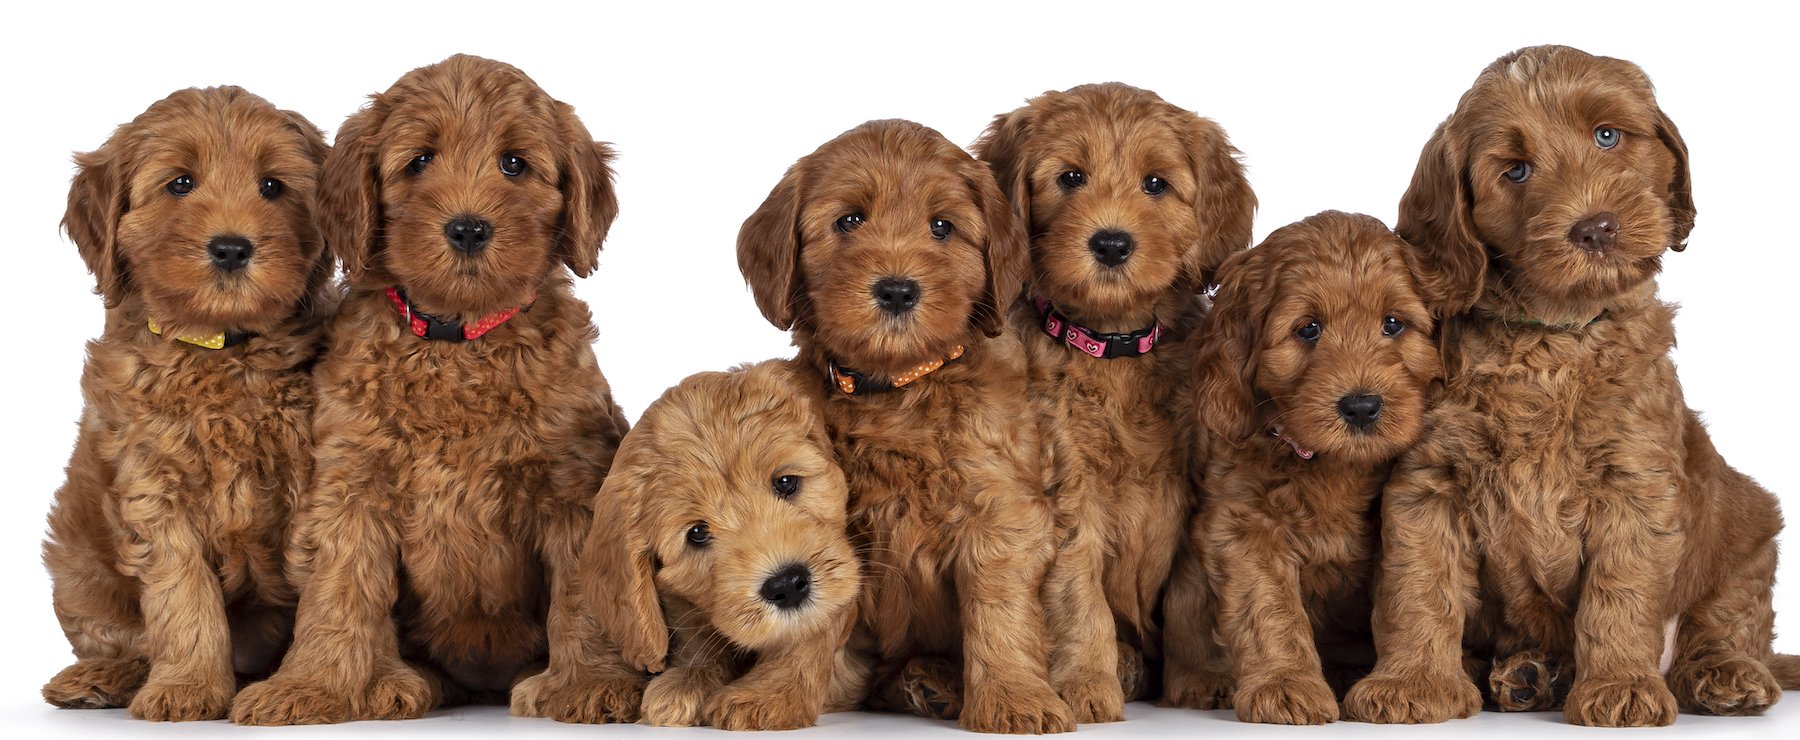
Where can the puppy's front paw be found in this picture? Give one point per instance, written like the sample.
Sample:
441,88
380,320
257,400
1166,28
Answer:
1016,710
677,698
400,692
739,708
1728,686
1624,701
585,699
1094,697
182,700
1287,700
1528,681
284,701
932,687
1408,698
1197,689
97,683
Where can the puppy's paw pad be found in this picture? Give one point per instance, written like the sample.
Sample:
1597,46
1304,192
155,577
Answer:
1412,699
1527,682
1633,701
737,709
1729,687
932,688
285,702
1287,700
169,701
97,683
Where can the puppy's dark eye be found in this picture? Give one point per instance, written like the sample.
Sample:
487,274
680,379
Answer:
1607,137
850,223
1072,179
512,165
699,535
1391,326
419,163
271,188
1309,332
940,229
786,486
1154,185
1518,172
181,186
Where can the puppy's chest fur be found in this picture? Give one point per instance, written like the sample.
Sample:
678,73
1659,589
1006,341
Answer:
1565,419
217,437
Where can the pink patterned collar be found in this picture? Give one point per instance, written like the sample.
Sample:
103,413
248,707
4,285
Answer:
1103,345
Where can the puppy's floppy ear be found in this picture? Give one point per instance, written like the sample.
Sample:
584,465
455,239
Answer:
1002,146
98,197
589,201
316,148
350,190
1681,195
616,562
1225,365
1224,207
1437,218
1004,256
768,252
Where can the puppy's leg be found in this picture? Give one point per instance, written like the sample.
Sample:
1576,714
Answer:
1084,658
700,663
1263,618
1630,550
785,690
999,574
1197,674
588,680
186,634
95,603
1722,643
1423,591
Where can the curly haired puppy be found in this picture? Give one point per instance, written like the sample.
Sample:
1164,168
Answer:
1131,203
1314,369
892,254
463,424
1565,504
725,504
165,545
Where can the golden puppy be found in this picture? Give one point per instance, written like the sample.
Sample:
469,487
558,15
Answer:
463,424
1131,203
1315,367
165,545
725,504
892,254
1565,508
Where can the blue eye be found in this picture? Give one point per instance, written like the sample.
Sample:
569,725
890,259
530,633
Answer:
1519,171
1391,326
1607,137
1309,332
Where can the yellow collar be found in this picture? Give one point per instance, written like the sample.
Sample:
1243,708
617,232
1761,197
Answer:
221,340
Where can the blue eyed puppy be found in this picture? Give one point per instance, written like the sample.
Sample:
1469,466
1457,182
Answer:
723,520
463,423
166,543
1131,203
892,255
1315,369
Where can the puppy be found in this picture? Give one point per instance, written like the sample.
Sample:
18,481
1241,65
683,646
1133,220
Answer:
1565,505
892,254
1313,373
165,546
1131,203
725,504
463,424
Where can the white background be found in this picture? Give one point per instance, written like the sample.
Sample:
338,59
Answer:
707,106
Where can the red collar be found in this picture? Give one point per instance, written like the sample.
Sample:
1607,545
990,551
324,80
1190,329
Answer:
1103,345
431,327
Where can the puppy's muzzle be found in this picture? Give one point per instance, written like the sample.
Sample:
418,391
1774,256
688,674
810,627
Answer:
788,588
1596,233
1111,248
468,234
229,253
1360,410
896,296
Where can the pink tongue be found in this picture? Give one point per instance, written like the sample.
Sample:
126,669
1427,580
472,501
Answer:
1304,454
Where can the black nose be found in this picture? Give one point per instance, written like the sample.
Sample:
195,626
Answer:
468,234
896,295
229,253
1111,248
1596,233
789,587
1359,410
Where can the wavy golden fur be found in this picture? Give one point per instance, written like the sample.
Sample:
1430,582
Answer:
1565,506
1079,166
454,480
166,542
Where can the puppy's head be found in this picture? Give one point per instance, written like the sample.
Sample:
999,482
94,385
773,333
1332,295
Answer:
202,206
888,245
727,495
1125,196
1559,169
1320,331
468,184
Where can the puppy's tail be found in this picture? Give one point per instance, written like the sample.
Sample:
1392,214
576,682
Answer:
1787,670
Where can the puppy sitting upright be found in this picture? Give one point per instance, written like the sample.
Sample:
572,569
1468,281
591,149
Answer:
165,546
1131,203
892,254
1314,370
463,424
726,505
